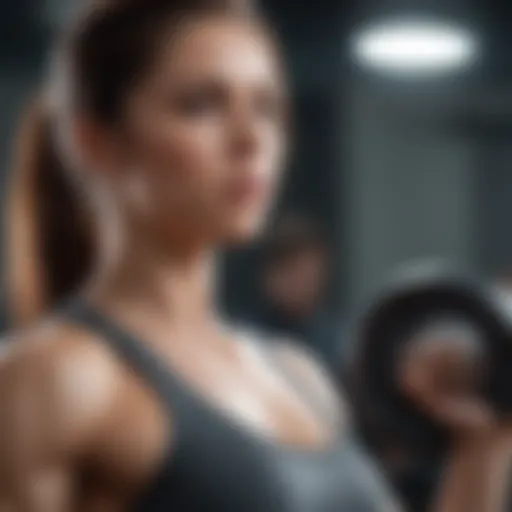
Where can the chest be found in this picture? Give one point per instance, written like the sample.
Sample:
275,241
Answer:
213,465
145,432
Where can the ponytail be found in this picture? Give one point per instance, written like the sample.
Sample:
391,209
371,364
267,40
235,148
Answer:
49,243
48,238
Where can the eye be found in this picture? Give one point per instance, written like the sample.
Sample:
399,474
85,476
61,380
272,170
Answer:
200,101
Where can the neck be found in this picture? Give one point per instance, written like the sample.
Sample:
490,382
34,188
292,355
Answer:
136,272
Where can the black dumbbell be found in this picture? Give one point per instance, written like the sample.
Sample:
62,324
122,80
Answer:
422,304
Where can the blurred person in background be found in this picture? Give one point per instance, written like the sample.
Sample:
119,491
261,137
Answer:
170,117
294,277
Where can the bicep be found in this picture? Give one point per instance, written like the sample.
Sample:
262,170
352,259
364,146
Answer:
33,475
36,461
37,489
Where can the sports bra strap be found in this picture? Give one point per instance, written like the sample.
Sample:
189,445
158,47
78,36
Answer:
133,351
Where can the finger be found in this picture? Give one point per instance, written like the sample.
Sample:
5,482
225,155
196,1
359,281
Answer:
464,415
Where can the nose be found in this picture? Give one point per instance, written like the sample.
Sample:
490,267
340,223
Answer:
246,138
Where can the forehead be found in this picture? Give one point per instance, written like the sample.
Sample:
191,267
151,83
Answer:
220,48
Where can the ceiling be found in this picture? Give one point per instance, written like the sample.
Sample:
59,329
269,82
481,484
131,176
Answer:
25,24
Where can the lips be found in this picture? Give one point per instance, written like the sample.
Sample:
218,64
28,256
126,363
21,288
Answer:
247,189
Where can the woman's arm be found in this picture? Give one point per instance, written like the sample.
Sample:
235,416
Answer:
441,377
476,476
46,423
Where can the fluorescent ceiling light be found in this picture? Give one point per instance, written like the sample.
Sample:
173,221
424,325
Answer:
414,47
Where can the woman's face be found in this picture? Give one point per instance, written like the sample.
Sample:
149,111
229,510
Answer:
203,137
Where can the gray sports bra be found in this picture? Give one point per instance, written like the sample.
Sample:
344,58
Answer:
215,466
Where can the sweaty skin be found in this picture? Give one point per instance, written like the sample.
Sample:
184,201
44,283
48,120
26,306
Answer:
79,431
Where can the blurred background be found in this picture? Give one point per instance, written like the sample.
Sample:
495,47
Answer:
395,163
403,124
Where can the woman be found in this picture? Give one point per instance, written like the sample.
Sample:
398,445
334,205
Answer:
172,117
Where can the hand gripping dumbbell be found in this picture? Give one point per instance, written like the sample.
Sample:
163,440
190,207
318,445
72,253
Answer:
422,305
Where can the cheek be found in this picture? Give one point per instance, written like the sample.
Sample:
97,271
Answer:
182,164
187,169
183,152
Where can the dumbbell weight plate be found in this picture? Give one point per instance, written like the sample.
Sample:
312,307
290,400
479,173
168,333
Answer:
392,319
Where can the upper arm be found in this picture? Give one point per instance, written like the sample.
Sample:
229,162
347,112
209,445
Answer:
46,422
31,452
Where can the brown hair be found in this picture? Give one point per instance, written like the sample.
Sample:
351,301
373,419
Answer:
50,243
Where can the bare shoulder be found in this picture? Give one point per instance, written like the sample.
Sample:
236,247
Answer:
307,366
55,376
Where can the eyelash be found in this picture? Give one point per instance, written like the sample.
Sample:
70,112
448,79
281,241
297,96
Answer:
198,104
201,103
